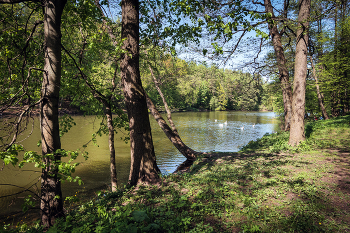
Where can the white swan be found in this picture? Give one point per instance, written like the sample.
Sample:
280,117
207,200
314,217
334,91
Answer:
242,128
254,125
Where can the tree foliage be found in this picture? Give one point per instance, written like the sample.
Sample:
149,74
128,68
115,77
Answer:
188,85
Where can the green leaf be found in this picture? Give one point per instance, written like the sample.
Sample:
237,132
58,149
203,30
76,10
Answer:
205,51
140,216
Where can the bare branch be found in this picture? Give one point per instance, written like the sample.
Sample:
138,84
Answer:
258,3
110,32
15,97
38,22
31,131
19,122
236,46
260,46
24,190
98,95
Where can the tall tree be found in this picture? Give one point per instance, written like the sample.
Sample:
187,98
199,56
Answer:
276,38
143,161
51,205
319,94
297,130
51,196
334,61
103,89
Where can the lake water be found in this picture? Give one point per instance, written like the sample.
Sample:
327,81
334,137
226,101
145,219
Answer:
202,131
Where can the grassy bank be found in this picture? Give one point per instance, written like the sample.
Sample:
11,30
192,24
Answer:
266,187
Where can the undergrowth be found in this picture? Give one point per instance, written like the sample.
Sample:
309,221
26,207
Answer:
333,133
255,190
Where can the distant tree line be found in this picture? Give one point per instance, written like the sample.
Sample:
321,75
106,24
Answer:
188,85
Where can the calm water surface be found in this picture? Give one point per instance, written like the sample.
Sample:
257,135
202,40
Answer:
202,131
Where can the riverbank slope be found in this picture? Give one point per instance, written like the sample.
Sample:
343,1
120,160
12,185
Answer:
266,187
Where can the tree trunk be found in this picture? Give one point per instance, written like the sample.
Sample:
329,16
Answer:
282,68
173,137
51,196
335,93
167,109
172,134
108,111
143,161
111,147
319,95
297,129
335,103
343,49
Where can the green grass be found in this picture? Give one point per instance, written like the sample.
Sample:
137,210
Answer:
266,187
333,133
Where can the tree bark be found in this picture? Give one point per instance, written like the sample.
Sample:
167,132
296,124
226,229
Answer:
282,68
173,137
110,126
319,95
51,196
108,111
143,161
297,129
106,102
167,109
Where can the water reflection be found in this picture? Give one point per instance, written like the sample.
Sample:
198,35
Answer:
202,131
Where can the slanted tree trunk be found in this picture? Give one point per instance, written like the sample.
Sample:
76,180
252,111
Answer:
172,134
319,95
297,129
173,137
51,196
167,109
282,68
143,161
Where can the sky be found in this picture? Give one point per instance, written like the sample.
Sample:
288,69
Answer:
244,54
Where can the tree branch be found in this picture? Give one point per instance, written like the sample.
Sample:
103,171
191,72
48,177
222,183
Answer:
98,95
18,123
15,97
24,190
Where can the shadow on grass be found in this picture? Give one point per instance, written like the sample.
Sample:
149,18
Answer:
308,205
223,192
239,192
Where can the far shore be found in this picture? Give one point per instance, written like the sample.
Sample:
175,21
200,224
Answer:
67,109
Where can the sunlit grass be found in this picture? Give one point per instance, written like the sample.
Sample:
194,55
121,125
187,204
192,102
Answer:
267,187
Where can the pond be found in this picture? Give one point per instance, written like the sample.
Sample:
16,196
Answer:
202,131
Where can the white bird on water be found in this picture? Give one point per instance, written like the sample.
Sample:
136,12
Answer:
254,125
225,122
216,120
221,125
242,128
